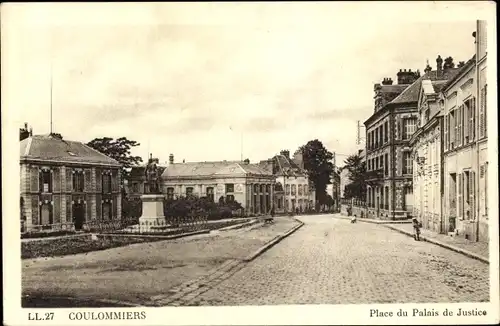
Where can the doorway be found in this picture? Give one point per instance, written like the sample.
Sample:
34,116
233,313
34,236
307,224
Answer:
78,215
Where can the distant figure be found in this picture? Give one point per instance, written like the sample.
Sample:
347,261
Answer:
416,229
353,219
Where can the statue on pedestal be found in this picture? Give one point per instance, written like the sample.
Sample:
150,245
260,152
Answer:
153,177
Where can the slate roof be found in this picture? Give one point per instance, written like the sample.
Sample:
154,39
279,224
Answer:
209,169
411,93
50,148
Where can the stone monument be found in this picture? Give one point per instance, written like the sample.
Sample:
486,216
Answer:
153,216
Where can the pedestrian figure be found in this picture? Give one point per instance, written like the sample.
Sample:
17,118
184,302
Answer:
416,229
353,219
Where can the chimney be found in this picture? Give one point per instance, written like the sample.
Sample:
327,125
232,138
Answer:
407,77
26,126
285,153
439,64
171,159
387,81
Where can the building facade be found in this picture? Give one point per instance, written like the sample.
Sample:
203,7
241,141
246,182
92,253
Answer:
298,195
248,184
427,154
66,184
388,153
465,202
387,133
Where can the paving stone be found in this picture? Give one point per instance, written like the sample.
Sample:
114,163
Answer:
331,261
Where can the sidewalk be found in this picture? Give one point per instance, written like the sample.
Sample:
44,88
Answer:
476,250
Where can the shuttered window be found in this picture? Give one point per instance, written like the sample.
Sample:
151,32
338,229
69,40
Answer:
482,113
486,189
35,179
460,119
472,119
459,198
472,195
446,127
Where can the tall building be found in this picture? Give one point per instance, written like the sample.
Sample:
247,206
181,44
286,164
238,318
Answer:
465,203
66,184
388,131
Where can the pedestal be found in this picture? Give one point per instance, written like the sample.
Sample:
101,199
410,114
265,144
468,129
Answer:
152,211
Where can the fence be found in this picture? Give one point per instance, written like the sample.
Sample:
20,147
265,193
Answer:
357,207
168,226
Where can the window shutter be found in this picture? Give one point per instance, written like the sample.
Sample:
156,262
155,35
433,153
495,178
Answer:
115,208
473,119
446,126
465,113
87,186
472,186
98,205
35,179
56,209
98,178
460,207
69,208
56,180
481,113
69,179
35,210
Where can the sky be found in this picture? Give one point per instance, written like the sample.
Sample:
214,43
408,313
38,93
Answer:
217,81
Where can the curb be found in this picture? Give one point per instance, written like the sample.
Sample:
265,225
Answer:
238,226
444,245
360,219
273,242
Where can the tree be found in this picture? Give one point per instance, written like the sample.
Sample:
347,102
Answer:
357,175
448,63
317,162
119,150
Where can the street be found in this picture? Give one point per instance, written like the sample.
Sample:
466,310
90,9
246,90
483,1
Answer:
331,261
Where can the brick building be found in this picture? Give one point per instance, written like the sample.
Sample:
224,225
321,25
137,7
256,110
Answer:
65,184
388,153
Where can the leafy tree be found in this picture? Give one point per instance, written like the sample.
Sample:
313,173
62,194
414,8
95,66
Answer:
448,63
317,162
357,175
119,150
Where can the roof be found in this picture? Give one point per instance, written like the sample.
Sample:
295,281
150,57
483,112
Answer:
51,148
469,64
283,165
210,169
411,93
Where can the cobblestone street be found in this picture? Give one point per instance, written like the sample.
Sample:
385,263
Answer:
331,261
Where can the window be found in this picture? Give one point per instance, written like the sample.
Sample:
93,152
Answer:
453,194
170,193
229,187
300,190
229,198
376,138
407,163
287,189
386,164
427,115
106,183
210,193
381,162
78,181
386,132
408,127
294,190
45,181
189,191
446,131
472,119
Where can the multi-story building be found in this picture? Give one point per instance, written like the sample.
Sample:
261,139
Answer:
388,154
66,184
298,195
246,183
465,147
427,148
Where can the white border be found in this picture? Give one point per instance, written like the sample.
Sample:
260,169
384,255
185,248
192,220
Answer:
270,315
